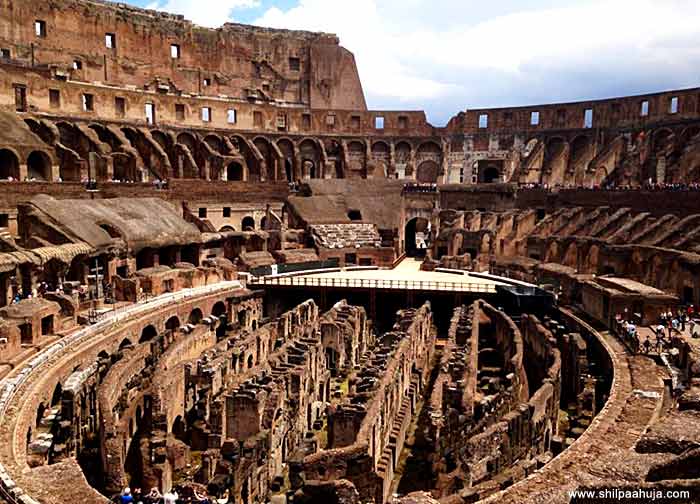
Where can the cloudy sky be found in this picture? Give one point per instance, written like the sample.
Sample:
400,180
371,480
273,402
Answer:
443,56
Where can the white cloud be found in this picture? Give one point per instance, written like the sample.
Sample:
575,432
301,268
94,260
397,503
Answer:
212,13
428,54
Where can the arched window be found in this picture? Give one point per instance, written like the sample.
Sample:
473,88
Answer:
9,165
39,166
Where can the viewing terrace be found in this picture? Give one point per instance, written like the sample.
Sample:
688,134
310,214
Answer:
407,275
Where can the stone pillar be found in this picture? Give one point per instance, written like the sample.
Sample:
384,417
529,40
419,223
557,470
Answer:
391,169
661,170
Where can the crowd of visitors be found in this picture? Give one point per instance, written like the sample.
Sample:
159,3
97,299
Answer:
80,291
670,325
422,187
156,497
647,186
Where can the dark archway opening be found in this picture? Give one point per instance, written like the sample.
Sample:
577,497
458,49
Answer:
195,317
9,165
179,430
417,237
38,166
234,172
248,224
219,311
491,175
149,332
288,170
173,324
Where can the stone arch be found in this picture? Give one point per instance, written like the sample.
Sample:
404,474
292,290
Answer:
266,149
188,140
172,324
162,138
428,172
9,164
357,159
381,156
71,137
579,146
417,238
310,159
218,309
254,165
688,134
195,316
248,223
661,140
555,162
286,148
227,229
39,166
335,158
215,142
104,135
42,130
429,147
402,158
148,333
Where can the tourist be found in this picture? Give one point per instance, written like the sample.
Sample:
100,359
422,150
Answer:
675,325
170,498
126,497
660,343
681,318
695,330
154,496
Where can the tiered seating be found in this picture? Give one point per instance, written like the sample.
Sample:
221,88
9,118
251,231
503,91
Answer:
346,235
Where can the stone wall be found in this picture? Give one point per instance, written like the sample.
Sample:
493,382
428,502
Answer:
367,430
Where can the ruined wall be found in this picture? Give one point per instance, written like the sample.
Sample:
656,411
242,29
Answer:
367,429
156,50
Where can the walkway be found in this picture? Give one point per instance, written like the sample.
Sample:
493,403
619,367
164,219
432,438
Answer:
18,385
407,275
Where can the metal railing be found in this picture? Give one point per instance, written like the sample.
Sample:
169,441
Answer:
372,283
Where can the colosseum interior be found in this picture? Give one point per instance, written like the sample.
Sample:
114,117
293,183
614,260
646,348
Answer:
223,277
